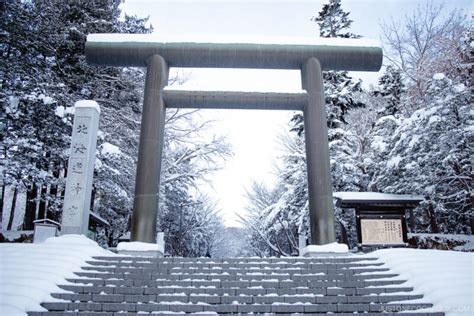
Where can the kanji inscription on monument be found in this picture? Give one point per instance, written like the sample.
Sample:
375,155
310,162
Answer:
80,171
381,231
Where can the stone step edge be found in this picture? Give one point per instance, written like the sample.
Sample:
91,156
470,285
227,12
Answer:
146,291
238,284
244,260
142,270
247,265
281,307
227,299
198,276
213,314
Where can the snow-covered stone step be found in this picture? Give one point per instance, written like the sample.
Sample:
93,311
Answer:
295,270
233,291
228,299
236,260
269,283
233,308
247,276
302,265
118,286
141,313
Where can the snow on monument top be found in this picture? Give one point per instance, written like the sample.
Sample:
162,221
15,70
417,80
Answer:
159,38
87,104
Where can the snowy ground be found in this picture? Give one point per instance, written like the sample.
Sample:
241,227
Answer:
29,272
445,278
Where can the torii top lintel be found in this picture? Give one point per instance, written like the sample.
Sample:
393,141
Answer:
130,50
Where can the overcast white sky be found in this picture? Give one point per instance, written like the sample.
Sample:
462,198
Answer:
253,133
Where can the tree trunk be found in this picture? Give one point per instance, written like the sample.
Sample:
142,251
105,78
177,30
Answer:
1,207
53,213
30,210
432,217
42,203
412,221
344,237
12,212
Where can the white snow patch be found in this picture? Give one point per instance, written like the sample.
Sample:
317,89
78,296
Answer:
138,246
332,247
100,135
434,119
459,88
60,111
414,140
30,272
189,38
109,149
98,164
87,104
46,100
439,76
379,144
377,196
394,161
445,278
12,105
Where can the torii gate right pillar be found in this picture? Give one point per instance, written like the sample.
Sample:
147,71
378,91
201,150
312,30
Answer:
321,209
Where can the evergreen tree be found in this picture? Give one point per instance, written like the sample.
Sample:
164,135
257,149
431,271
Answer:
43,72
340,96
391,90
333,21
338,85
429,154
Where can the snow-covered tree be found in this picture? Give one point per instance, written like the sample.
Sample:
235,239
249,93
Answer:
277,225
43,73
339,87
425,43
391,90
430,155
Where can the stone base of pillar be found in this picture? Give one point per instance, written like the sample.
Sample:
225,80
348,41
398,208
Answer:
329,250
142,249
135,253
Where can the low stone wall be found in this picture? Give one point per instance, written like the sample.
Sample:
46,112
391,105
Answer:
442,242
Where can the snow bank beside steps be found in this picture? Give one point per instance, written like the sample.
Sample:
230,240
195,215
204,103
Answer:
30,272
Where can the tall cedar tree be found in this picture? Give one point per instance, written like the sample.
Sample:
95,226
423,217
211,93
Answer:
338,85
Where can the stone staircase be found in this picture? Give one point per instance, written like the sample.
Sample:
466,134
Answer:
122,286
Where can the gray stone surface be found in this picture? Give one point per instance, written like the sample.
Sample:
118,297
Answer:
136,253
258,56
77,199
214,293
145,204
235,100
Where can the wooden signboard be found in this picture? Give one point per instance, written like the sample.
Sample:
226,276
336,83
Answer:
381,231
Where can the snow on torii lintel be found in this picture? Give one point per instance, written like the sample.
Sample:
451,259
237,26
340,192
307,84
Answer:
178,38
376,196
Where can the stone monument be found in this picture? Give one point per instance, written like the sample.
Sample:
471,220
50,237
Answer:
77,199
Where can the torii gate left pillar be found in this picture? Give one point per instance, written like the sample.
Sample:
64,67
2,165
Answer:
310,59
147,184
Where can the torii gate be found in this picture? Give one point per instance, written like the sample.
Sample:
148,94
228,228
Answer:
141,51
